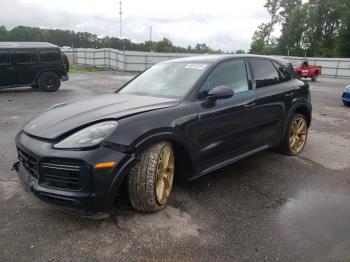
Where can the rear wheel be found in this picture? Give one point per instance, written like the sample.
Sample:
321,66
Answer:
295,136
150,179
49,82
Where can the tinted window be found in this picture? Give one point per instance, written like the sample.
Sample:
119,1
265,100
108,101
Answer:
264,72
26,57
5,58
49,56
284,74
232,74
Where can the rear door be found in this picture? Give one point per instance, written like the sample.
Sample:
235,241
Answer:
274,94
7,68
26,66
51,60
227,129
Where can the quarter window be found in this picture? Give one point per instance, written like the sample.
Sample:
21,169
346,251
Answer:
26,57
232,74
49,56
264,72
5,58
284,74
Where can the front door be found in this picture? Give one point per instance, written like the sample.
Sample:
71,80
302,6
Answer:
7,68
26,66
226,129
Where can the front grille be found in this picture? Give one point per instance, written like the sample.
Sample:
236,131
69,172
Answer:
29,162
61,175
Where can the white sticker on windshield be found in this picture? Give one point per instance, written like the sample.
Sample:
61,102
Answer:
196,66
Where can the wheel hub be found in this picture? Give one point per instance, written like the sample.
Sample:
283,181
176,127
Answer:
298,133
165,174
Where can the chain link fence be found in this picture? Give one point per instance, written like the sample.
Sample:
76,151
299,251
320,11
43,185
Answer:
134,61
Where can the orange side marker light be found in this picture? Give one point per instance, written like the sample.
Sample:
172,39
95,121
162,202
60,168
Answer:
105,164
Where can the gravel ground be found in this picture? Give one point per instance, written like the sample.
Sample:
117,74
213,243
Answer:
268,207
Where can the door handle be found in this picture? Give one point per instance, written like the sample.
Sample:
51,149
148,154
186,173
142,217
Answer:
289,94
249,105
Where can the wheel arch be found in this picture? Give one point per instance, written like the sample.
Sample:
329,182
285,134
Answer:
305,111
301,108
38,75
183,151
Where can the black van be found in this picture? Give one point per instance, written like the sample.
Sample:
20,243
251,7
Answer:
37,64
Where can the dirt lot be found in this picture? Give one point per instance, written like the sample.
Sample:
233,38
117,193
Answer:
268,207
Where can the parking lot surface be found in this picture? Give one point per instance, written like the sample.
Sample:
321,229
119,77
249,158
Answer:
268,207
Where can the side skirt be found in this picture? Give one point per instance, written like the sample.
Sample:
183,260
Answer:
230,161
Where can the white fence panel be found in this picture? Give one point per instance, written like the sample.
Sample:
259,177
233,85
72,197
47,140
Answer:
138,61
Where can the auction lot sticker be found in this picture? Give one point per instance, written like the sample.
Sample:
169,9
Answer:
196,66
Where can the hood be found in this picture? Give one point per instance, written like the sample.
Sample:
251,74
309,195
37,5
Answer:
66,117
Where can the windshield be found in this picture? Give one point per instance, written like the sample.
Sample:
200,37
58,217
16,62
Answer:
166,80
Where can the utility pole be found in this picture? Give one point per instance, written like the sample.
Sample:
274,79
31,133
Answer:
150,39
120,23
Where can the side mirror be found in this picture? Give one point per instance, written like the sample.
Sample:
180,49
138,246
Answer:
218,92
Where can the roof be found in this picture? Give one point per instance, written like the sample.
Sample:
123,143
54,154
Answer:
27,45
216,58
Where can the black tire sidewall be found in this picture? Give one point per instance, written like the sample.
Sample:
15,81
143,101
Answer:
141,179
43,85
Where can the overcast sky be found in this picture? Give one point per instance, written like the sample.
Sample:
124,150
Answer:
222,24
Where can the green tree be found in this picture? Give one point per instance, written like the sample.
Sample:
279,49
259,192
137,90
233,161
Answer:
3,33
240,51
291,41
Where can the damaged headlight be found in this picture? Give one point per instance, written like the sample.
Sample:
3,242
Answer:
88,137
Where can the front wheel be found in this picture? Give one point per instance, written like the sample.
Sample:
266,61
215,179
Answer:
295,136
150,179
314,78
346,103
49,82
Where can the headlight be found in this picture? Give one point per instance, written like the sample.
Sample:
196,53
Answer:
89,136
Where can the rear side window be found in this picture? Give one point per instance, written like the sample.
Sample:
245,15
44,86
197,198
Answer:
284,74
49,56
264,72
5,58
26,57
232,74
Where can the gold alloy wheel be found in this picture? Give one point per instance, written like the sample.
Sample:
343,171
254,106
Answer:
165,174
298,134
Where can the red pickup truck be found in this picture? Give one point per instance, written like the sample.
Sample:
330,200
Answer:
304,70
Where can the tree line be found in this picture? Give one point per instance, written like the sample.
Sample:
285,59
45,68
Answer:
311,28
88,40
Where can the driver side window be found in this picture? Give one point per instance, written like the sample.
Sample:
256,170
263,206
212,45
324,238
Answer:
232,74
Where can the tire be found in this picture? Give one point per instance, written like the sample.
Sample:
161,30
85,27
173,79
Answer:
49,82
314,78
287,146
148,174
346,103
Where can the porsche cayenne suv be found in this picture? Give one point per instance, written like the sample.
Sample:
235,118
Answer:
182,118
